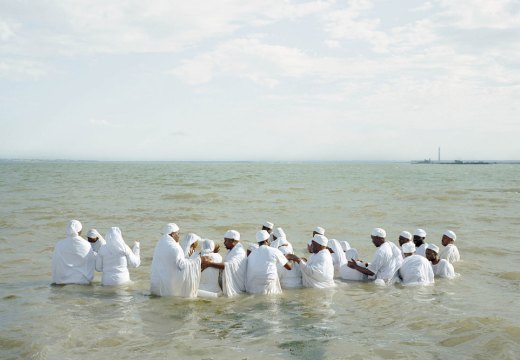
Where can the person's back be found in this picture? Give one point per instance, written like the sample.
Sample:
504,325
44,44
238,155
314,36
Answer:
166,254
443,269
289,279
386,262
209,276
347,273
73,260
262,273
416,270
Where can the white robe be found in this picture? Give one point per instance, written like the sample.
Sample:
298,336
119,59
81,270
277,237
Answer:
319,271
339,258
387,260
450,253
347,273
114,263
73,261
234,273
209,276
262,271
416,270
171,273
421,250
444,269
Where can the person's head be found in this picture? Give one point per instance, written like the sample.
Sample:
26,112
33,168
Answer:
93,236
278,233
231,238
408,249
319,242
345,245
448,237
378,236
74,228
172,230
268,226
262,237
432,253
207,246
419,235
404,237
318,231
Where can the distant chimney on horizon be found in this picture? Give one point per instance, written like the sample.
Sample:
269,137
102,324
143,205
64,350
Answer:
439,154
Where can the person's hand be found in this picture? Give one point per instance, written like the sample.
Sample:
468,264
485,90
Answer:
217,248
351,263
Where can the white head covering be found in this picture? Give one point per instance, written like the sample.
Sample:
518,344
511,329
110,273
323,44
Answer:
352,254
345,245
207,246
262,235
115,243
93,233
170,228
74,227
408,247
279,233
320,239
450,234
419,232
406,235
319,230
188,240
378,232
268,225
433,247
232,234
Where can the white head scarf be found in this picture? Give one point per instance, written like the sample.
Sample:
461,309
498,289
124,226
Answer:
352,254
170,228
74,227
93,233
188,240
281,238
345,245
207,246
340,255
115,243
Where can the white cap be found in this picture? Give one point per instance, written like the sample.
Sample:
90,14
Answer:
93,233
170,228
419,232
433,247
320,239
408,247
451,235
262,235
232,234
268,225
378,232
319,230
278,232
406,235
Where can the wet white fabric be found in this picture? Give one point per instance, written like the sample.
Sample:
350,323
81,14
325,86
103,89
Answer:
170,228
345,245
289,279
262,271
171,273
450,253
450,234
444,269
338,257
387,260
186,243
115,257
421,250
93,233
234,273
73,260
318,272
416,270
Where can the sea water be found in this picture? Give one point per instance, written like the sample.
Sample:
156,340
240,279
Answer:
476,315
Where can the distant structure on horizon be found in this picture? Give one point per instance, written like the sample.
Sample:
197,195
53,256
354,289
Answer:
454,162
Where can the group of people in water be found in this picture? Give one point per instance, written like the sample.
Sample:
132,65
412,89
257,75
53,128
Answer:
193,267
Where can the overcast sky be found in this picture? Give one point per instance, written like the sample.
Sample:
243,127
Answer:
260,80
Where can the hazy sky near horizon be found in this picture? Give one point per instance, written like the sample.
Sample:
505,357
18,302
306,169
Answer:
260,80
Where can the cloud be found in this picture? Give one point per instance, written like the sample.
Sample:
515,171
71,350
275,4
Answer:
21,70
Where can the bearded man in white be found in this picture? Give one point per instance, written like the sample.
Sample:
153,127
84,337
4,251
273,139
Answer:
73,260
450,251
172,274
441,267
262,272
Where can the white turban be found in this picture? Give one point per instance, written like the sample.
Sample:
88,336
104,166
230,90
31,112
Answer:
406,235
232,234
262,235
279,233
352,254
319,230
419,232
115,242
408,247
345,245
433,247
268,225
378,232
207,246
170,228
451,235
74,227
320,239
189,240
93,233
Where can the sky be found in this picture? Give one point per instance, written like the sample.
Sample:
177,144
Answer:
267,80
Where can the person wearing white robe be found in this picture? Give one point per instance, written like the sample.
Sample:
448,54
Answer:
348,273
115,257
171,273
318,271
209,277
189,244
441,267
251,248
280,240
450,251
338,256
95,239
419,240
234,266
290,279
387,259
73,260
262,271
415,269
